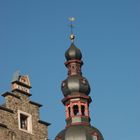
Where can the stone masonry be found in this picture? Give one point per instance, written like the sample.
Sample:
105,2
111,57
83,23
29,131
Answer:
19,117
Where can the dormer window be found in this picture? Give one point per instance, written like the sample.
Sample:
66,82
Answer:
25,121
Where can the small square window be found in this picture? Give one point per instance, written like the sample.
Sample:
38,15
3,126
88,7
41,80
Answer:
25,121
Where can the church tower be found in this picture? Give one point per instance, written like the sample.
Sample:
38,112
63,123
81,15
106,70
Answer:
76,100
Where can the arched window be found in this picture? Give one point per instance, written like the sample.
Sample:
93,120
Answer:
83,110
75,110
69,111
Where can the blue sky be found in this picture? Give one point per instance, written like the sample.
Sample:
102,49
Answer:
34,36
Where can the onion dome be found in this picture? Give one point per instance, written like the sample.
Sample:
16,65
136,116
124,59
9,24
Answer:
79,132
75,84
73,53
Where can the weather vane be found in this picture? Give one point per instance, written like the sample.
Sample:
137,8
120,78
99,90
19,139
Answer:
72,36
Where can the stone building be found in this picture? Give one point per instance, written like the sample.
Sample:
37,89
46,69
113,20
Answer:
19,116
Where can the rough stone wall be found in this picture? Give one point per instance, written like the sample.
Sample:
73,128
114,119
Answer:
9,118
3,133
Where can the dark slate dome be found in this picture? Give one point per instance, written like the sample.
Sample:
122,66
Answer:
79,132
73,53
74,84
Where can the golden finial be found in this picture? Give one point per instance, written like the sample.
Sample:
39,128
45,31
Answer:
72,36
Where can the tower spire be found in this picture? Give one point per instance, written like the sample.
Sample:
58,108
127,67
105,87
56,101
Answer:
76,89
72,36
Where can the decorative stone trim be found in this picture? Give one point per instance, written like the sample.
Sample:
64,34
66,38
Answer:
35,103
11,94
43,122
25,121
21,91
6,109
21,83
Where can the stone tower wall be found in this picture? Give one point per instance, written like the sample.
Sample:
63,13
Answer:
15,103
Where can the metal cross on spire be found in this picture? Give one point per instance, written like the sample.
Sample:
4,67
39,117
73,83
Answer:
72,36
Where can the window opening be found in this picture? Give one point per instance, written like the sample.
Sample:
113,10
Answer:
69,111
75,110
83,110
23,121
73,67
